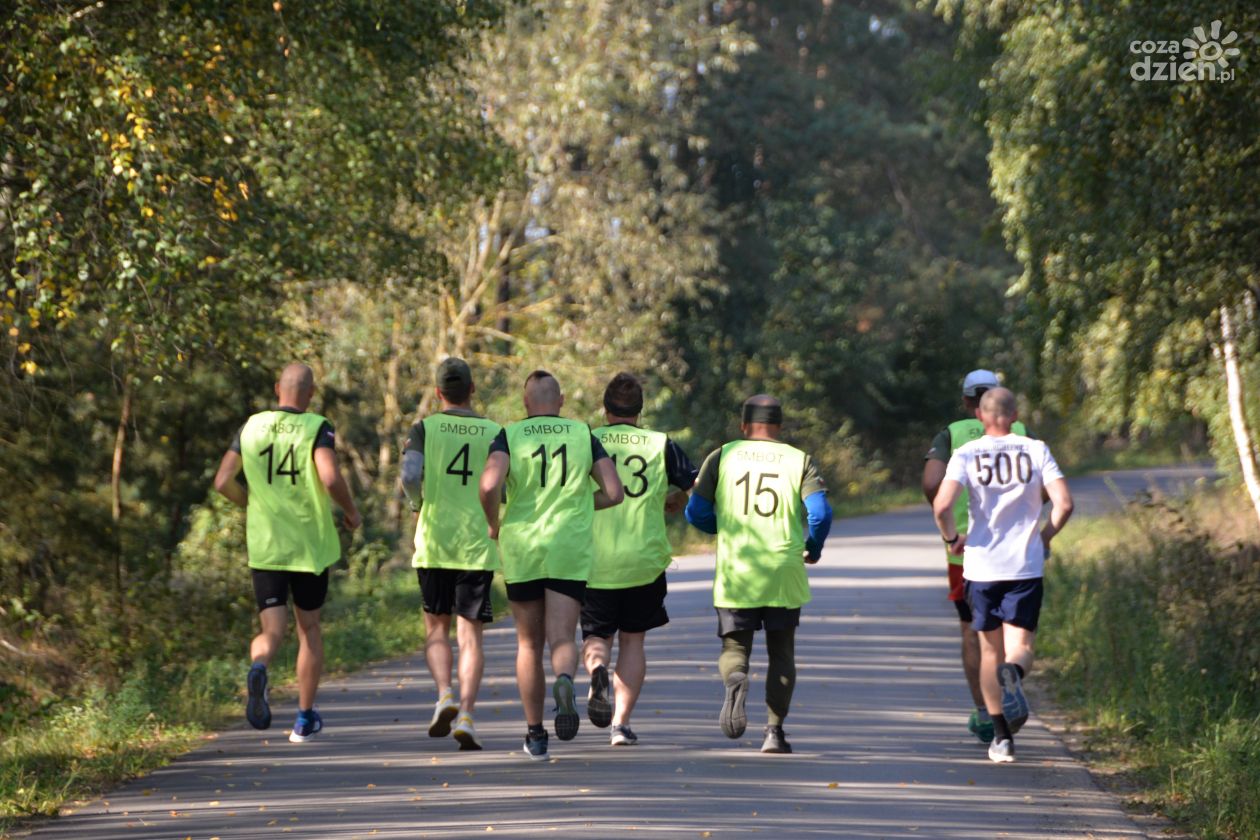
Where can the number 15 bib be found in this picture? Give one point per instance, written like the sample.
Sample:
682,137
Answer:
761,526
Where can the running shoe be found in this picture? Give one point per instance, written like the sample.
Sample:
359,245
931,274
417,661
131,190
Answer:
257,710
443,713
598,707
733,719
307,726
566,708
536,746
981,725
1002,752
622,736
1014,703
776,741
466,733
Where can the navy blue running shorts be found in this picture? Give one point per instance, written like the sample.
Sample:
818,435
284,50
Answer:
999,602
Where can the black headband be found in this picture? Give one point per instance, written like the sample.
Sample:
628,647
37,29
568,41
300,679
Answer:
616,410
769,414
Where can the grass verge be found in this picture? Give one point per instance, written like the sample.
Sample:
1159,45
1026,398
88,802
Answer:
1149,639
80,748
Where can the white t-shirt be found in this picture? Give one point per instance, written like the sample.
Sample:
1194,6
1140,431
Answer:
1003,476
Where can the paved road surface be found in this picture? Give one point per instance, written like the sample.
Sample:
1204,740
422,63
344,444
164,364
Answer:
877,723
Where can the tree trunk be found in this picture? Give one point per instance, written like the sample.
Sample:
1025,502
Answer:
1237,410
389,427
115,489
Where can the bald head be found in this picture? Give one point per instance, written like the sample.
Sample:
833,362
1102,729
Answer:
761,417
296,386
542,394
998,410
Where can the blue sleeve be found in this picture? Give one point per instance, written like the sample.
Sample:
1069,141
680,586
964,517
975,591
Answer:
818,515
701,513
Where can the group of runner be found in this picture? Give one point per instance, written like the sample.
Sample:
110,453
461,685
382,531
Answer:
575,519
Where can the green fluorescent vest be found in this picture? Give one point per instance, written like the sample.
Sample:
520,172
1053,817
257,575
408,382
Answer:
963,432
761,526
631,544
288,521
546,530
451,529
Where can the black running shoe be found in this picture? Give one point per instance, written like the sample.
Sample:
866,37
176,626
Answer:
566,709
536,746
733,719
776,741
257,711
599,707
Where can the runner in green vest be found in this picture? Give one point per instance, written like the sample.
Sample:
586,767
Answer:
290,463
454,559
943,445
758,495
625,594
546,543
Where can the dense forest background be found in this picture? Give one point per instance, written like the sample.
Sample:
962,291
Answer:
845,203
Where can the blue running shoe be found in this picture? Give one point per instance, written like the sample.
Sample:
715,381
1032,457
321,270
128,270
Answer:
1014,703
566,708
536,746
257,711
307,726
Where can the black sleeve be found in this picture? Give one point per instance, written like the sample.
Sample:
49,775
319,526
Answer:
236,441
706,481
500,444
325,438
679,470
940,450
415,439
598,451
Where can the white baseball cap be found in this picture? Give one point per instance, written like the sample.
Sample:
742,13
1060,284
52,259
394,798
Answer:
979,380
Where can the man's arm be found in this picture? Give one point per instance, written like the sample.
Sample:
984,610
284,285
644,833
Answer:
818,518
225,479
934,464
681,475
933,475
610,492
490,490
943,510
412,477
701,512
1060,509
330,475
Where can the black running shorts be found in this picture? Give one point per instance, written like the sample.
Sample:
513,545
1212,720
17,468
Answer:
636,609
461,591
757,618
271,589
532,590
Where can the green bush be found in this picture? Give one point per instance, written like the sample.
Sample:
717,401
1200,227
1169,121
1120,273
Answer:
1151,640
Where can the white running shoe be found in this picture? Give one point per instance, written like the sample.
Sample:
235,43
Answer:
466,733
443,713
1002,752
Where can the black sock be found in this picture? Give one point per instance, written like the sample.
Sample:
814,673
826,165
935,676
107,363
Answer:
568,677
1019,669
537,729
1001,729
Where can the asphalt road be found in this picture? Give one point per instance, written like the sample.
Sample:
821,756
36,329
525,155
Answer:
878,724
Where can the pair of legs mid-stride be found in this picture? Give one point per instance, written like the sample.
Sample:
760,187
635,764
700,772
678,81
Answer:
462,595
550,620
736,628
271,591
1006,614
